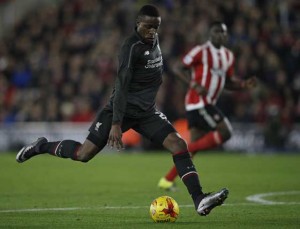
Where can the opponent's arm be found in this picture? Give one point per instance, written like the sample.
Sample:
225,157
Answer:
183,74
233,83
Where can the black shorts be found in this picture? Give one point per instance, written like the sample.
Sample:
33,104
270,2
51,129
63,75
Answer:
155,127
205,118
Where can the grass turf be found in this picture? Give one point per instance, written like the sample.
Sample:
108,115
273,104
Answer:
115,191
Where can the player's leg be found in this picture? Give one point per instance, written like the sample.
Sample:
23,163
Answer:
158,129
167,182
63,149
196,133
203,202
211,121
74,150
208,128
184,165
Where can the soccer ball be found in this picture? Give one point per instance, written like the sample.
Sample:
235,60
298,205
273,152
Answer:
164,209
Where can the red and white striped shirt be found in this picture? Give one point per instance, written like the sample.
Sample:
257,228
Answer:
210,67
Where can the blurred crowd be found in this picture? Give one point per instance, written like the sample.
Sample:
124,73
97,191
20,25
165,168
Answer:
59,62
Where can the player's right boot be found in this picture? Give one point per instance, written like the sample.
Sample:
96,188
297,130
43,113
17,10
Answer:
30,150
167,185
211,201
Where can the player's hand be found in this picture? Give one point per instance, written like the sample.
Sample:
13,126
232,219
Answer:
251,82
199,89
115,137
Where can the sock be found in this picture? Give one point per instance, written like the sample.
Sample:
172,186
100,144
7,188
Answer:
63,149
188,174
208,141
172,174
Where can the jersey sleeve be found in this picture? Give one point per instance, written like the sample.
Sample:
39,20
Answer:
126,60
193,57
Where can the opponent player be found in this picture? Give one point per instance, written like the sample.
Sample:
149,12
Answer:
132,105
211,68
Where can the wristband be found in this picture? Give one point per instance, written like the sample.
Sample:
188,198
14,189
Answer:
194,85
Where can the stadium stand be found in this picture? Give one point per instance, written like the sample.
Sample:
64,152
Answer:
59,62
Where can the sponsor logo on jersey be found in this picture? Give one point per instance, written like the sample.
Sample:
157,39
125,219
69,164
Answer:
154,63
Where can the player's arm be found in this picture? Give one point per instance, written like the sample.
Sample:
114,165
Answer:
183,73
232,83
124,76
183,69
120,99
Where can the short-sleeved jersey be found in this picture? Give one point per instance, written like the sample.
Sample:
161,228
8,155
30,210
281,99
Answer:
209,68
139,78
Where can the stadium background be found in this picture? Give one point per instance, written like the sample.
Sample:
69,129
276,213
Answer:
58,63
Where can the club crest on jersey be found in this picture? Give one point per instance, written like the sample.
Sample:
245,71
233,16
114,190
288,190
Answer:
146,53
98,124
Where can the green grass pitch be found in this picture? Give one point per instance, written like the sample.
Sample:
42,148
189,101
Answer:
115,190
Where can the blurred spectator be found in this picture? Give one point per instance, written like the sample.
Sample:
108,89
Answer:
59,62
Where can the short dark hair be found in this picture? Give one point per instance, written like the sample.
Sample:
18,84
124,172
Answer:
148,10
216,23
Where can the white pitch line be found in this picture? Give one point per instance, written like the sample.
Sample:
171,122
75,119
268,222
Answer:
256,199
94,208
106,207
41,209
259,198
69,209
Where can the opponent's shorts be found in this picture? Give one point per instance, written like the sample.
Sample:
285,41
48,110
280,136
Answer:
155,127
205,118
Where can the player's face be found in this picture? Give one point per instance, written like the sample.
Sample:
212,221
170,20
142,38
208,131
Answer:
218,35
147,28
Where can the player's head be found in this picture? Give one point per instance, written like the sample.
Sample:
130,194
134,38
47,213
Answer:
147,23
218,33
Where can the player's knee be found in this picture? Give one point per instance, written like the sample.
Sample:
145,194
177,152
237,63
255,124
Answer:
179,145
85,159
84,156
175,143
87,151
182,143
226,134
225,130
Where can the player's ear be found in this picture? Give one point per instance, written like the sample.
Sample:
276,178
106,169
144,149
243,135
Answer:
137,22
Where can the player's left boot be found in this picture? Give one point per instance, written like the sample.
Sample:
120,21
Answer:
30,150
210,201
167,185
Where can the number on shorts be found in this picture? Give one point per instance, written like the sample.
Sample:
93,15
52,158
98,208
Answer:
161,115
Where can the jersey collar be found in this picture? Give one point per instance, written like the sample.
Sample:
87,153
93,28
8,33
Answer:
214,48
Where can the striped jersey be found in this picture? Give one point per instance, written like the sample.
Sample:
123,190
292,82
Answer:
209,68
